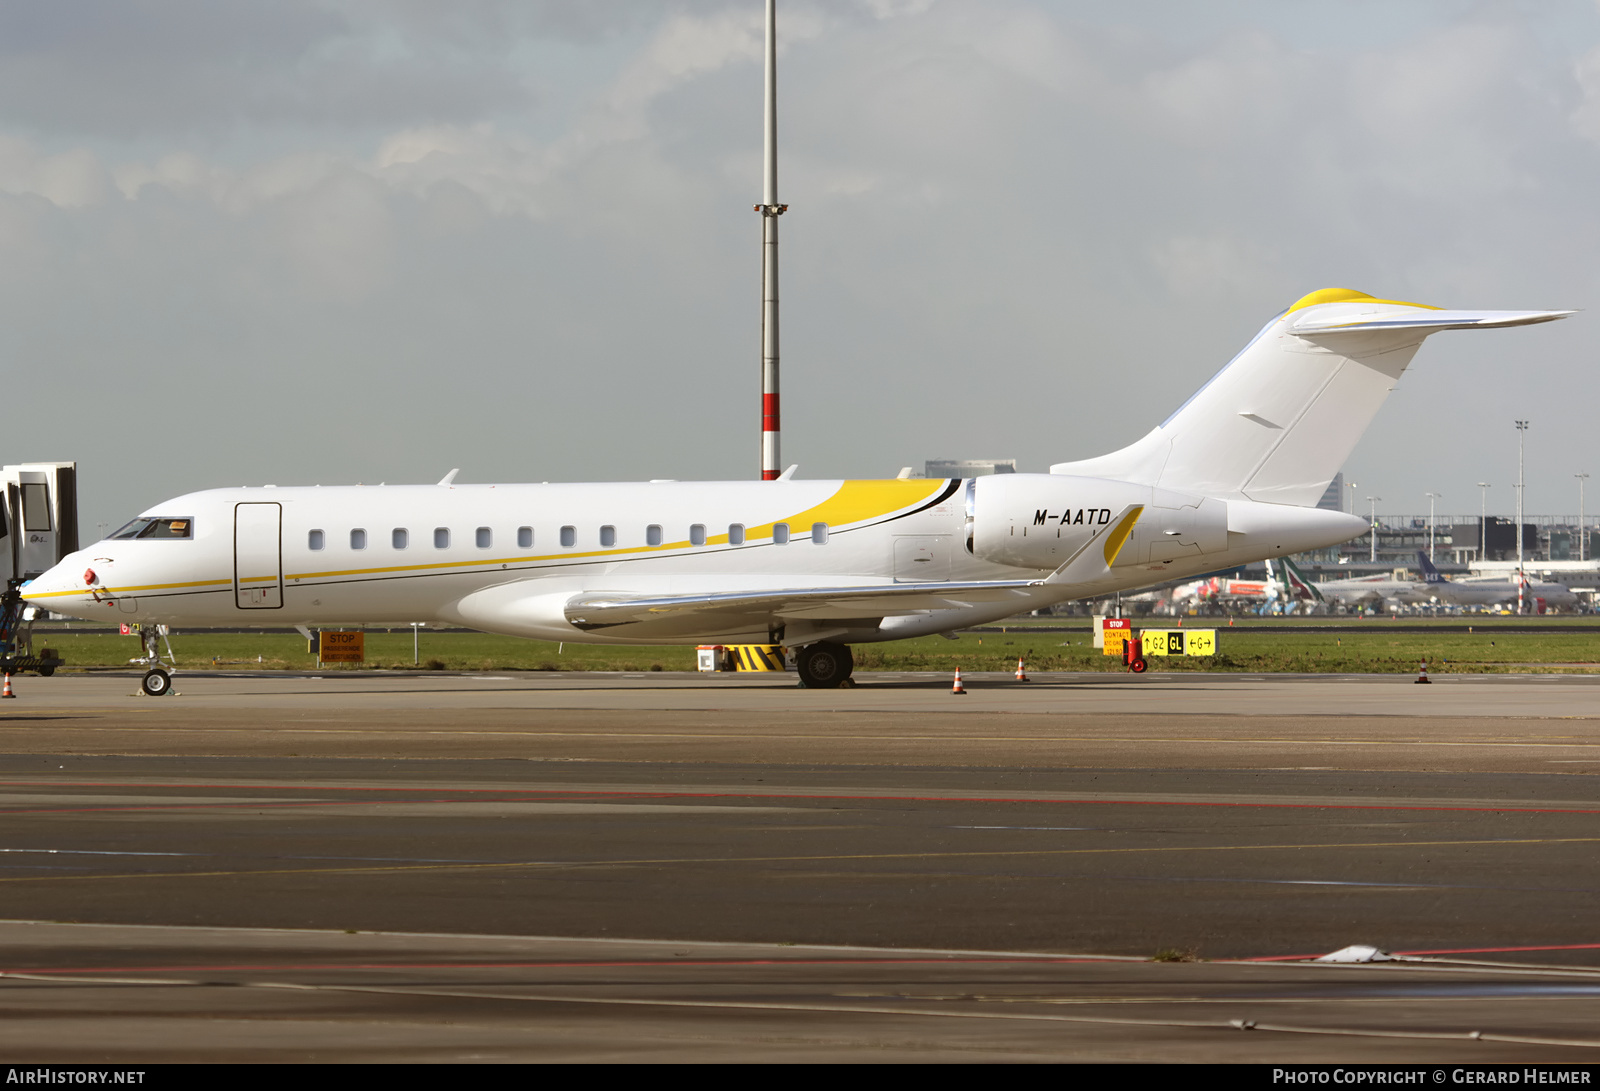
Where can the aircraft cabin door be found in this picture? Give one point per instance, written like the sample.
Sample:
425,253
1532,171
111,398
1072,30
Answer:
258,556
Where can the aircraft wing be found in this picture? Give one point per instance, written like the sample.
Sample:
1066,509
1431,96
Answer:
594,610
601,610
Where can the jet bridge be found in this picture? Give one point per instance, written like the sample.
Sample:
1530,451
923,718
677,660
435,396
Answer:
38,528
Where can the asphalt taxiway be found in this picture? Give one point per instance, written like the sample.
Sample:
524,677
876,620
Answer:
546,866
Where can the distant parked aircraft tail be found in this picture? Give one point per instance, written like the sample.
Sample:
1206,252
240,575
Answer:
1297,585
1430,574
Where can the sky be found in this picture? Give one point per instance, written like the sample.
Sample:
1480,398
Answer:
338,241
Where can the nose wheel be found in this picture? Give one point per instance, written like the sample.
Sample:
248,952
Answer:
157,680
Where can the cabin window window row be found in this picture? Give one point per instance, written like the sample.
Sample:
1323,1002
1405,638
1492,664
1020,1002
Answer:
483,537
399,537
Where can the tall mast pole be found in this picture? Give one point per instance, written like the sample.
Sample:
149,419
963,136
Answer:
1522,579
1483,521
1581,536
770,210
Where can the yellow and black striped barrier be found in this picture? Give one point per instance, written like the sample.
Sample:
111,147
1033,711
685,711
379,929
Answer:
756,657
741,657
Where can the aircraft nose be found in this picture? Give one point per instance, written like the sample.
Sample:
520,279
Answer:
73,576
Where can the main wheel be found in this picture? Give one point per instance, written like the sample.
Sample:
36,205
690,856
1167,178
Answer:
824,666
157,683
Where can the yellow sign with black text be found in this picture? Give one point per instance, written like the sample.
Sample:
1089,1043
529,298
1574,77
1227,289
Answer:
342,647
1179,641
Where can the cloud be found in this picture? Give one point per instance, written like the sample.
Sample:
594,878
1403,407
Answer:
518,238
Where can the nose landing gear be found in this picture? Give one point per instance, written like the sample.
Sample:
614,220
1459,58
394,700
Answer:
157,681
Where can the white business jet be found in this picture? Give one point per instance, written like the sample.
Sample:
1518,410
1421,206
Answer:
1229,478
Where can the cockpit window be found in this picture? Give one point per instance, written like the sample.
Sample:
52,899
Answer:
157,527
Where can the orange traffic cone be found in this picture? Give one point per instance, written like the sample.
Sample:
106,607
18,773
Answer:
957,687
1022,675
7,691
1422,677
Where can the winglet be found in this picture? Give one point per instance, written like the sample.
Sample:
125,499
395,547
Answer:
449,477
788,475
1096,556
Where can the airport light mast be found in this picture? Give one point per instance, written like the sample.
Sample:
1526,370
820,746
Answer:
1522,579
1372,517
1483,522
1581,536
770,210
1432,496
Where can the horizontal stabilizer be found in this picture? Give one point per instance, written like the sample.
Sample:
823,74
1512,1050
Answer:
1320,325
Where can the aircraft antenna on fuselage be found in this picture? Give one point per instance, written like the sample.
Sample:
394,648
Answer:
770,210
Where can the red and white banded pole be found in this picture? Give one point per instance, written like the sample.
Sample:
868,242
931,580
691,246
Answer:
770,210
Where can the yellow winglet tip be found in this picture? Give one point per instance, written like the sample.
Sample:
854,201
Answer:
1119,534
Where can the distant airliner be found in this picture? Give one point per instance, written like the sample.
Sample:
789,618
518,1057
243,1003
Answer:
1490,591
1229,478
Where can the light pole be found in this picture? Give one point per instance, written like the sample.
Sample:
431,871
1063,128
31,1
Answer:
1483,522
1522,432
1581,536
770,210
1432,496
1372,518
1352,486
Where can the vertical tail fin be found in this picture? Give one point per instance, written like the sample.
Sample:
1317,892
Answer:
1299,587
1276,424
1430,574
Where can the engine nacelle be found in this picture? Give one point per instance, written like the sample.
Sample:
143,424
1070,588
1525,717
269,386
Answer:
1040,520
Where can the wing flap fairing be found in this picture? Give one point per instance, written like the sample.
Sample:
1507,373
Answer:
601,610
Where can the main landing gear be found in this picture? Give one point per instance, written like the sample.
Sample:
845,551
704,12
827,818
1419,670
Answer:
824,665
157,681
